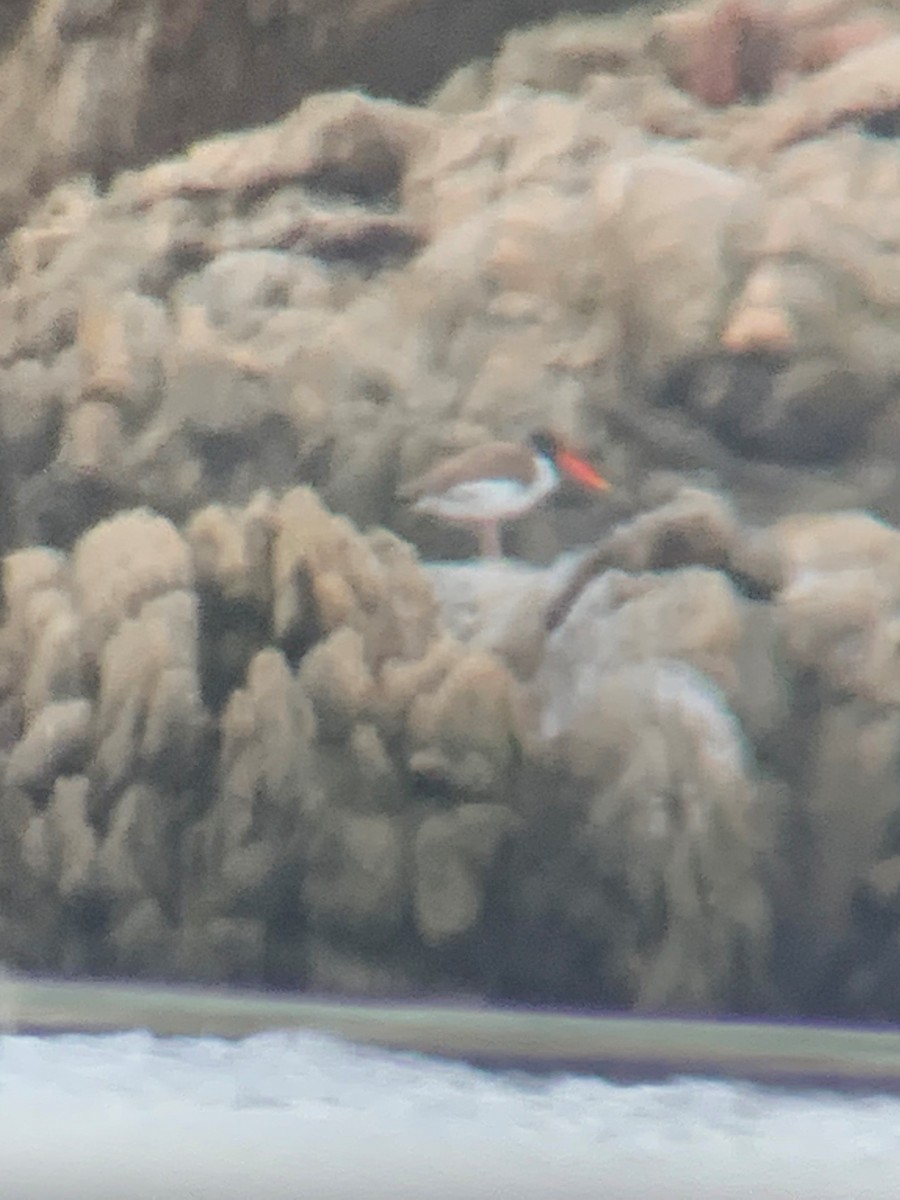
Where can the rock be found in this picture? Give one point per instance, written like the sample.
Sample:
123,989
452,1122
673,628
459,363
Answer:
245,851
60,844
338,683
374,780
691,615
763,695
563,55
341,971
229,948
464,733
145,82
859,750
217,378
121,341
326,577
739,54
267,731
55,743
823,47
27,572
653,205
781,394
734,50
860,87
837,607
695,528
141,940
239,290
232,419
23,887
254,725
121,564
91,443
136,858
230,549
357,884
648,876
30,428
41,630
500,608
453,853
150,717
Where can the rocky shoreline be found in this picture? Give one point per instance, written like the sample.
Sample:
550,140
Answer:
261,724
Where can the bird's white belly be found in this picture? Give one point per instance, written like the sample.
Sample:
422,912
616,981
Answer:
491,500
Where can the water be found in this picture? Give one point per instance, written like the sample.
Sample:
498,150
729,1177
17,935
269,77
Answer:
281,1115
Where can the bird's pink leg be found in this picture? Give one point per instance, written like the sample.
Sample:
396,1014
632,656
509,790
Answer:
489,539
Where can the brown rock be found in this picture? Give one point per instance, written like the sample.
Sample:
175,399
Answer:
42,630
847,804
738,54
376,780
695,528
150,718
54,743
837,608
30,402
60,844
267,729
357,881
345,971
340,687
92,442
228,948
122,563
136,859
230,549
141,940
99,87
860,87
465,732
648,875
326,576
298,750
242,857
27,572
120,341
820,48
657,204
691,615
562,55
268,781
453,853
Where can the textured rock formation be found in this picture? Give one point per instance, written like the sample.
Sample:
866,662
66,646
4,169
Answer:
244,732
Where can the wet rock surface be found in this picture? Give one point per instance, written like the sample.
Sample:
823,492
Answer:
259,721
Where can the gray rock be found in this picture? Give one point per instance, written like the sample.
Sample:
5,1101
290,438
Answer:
453,852
55,743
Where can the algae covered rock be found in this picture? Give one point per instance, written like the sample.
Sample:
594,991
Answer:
257,721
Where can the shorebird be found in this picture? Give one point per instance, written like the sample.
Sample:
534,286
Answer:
496,482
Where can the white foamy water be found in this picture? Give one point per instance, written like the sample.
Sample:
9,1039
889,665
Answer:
299,1115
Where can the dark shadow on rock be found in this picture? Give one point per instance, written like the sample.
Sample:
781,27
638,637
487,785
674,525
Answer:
231,632
13,15
57,505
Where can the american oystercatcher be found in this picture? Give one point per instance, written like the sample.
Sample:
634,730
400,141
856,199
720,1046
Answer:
496,482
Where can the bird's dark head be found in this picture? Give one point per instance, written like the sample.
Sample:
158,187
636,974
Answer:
544,441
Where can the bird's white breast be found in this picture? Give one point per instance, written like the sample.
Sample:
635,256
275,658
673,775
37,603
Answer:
492,499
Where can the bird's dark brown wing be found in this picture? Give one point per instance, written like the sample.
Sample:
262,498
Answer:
493,460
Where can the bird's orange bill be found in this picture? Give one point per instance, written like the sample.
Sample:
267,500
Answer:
581,471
